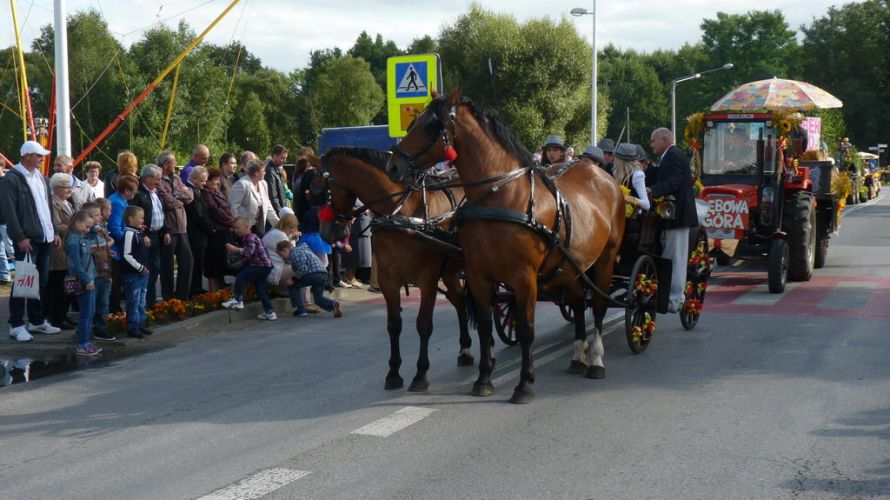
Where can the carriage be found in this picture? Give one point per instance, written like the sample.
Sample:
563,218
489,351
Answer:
639,264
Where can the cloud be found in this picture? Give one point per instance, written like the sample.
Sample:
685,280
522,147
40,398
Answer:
283,32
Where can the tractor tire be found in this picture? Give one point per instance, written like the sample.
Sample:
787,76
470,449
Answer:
722,258
799,223
821,252
777,275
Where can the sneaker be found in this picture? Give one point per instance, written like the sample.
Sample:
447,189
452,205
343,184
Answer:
95,348
300,312
107,337
374,289
20,333
341,284
233,304
135,334
355,283
44,327
337,311
87,350
268,316
312,309
145,331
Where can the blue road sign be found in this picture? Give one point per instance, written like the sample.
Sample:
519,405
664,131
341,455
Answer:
412,79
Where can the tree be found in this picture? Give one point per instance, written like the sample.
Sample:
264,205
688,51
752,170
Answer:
845,53
541,71
632,83
346,93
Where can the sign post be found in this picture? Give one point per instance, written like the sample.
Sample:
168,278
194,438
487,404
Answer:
410,81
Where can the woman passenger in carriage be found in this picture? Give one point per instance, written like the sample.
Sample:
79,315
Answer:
629,173
554,151
592,156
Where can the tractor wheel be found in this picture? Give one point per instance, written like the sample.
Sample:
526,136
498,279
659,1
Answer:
722,258
799,223
777,274
821,252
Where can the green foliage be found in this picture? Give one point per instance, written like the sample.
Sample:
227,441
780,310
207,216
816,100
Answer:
632,82
347,93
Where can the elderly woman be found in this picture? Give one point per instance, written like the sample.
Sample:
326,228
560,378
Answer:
221,222
93,184
126,165
285,230
62,210
249,198
198,227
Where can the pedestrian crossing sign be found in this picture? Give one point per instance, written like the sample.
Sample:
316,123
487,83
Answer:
410,82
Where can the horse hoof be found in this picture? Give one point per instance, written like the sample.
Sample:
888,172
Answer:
393,382
466,360
522,395
577,367
419,385
482,389
596,372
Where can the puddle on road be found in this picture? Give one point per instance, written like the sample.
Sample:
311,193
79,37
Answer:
16,371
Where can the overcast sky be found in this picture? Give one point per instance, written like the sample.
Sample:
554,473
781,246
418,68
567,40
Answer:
282,32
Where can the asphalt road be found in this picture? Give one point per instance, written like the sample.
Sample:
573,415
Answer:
769,397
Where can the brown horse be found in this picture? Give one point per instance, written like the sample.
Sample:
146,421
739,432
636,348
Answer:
498,244
402,256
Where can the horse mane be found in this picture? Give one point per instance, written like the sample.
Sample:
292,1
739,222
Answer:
495,126
368,155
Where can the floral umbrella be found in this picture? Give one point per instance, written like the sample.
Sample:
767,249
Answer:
775,94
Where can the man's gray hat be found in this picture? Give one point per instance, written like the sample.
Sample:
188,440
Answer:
594,153
555,141
641,153
607,145
626,151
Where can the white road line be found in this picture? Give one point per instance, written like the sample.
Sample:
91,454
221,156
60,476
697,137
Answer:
260,484
760,296
391,424
850,209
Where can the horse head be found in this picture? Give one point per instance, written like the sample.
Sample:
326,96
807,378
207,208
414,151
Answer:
429,140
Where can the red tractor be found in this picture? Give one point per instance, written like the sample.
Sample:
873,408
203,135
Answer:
763,203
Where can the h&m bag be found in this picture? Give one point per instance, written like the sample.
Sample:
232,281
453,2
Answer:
27,279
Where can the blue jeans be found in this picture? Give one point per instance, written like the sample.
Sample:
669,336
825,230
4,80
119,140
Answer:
4,260
316,282
103,292
256,275
135,287
87,303
40,257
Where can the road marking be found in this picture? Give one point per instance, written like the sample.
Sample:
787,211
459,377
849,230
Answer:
849,295
760,296
260,484
391,424
848,209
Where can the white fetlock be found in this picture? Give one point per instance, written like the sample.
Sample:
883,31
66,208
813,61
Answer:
595,351
581,348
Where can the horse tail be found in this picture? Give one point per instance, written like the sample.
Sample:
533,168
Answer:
470,303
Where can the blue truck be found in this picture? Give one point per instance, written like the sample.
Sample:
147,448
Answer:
372,136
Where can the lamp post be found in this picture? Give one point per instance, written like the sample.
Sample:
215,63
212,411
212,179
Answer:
674,83
577,12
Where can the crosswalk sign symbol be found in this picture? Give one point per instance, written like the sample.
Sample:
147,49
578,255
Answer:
412,78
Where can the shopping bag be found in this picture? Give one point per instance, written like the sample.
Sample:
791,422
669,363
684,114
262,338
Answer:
27,279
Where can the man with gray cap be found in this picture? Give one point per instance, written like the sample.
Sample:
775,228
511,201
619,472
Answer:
25,200
608,147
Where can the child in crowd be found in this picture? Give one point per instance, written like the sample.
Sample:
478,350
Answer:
308,271
81,264
256,270
134,271
102,254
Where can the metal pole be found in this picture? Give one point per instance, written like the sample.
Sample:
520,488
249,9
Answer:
593,132
674,110
63,102
628,123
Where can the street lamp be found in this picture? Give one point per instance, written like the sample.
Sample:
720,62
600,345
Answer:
578,12
674,93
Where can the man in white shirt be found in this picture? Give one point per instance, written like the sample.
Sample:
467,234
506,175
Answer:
25,201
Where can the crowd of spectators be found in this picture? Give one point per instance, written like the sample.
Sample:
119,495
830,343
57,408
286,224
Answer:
138,235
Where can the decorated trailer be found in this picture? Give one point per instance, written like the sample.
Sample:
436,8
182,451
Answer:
765,191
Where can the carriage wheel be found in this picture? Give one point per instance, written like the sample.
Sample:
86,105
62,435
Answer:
504,314
566,311
639,317
697,274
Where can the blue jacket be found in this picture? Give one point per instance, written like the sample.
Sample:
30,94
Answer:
81,263
116,222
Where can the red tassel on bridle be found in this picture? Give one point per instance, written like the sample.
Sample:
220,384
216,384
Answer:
450,153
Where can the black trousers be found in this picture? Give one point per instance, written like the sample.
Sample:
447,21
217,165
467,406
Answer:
179,248
199,256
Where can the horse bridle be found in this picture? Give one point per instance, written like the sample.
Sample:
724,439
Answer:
443,130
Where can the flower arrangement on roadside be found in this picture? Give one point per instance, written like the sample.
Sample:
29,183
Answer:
174,309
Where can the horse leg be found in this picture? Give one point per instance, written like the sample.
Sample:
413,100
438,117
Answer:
455,295
603,279
394,328
483,292
526,299
424,331
578,365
